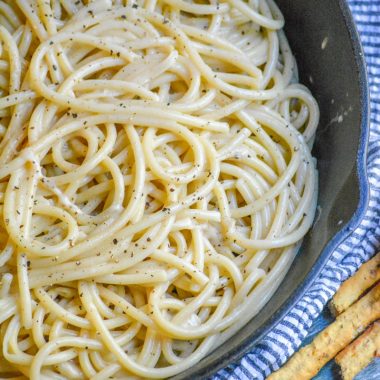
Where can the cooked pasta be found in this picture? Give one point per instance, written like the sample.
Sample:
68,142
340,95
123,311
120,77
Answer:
156,180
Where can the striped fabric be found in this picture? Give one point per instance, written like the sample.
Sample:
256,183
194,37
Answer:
285,339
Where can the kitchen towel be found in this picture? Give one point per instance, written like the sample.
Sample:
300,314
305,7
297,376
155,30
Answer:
288,335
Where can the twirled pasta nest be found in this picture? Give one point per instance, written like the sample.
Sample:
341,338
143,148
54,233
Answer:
156,180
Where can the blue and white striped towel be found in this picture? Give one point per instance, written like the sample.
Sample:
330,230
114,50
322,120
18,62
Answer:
281,343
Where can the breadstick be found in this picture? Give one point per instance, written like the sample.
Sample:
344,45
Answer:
354,287
307,362
359,353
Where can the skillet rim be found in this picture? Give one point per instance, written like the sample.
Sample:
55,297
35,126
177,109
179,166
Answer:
256,336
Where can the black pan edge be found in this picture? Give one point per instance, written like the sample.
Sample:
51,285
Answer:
232,356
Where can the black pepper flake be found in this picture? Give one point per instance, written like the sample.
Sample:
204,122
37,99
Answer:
114,241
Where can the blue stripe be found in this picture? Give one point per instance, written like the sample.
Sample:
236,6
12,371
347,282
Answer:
286,323
283,334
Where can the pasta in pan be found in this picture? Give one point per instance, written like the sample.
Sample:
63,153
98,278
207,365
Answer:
156,180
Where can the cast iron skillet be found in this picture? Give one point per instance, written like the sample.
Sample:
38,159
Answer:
336,75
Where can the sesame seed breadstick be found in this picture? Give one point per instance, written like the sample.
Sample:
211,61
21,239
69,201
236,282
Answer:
356,356
307,362
354,287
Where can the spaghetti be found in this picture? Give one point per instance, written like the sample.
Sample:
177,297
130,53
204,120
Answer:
156,180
